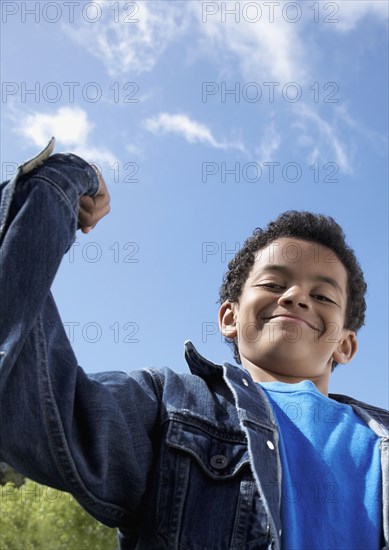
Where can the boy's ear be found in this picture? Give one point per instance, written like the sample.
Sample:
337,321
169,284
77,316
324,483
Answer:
227,319
346,348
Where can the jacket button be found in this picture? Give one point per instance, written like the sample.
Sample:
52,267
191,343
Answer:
245,382
270,444
219,462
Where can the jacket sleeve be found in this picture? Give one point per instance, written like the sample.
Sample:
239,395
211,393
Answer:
92,436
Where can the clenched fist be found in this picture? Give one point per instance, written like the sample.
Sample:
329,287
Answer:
92,209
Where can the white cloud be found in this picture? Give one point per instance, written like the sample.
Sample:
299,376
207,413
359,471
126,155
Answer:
97,155
327,137
276,52
133,46
71,128
352,12
379,141
270,144
69,124
134,149
192,131
264,50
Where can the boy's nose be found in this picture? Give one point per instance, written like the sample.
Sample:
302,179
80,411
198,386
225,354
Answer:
294,296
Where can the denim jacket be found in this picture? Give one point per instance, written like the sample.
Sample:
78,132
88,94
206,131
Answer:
175,461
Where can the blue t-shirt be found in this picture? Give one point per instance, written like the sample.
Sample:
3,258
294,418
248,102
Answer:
331,472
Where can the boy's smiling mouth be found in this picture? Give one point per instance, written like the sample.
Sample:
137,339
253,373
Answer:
291,318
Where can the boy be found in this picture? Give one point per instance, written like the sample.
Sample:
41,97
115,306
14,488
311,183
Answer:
225,457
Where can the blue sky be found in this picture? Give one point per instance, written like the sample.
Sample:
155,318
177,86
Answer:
208,119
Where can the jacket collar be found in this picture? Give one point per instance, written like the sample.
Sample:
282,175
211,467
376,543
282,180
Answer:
251,401
198,364
376,418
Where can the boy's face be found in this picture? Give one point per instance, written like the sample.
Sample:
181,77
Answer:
290,316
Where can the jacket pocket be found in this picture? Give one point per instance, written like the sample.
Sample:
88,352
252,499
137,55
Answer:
207,496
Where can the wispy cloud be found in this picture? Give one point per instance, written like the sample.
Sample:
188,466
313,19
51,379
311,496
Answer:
98,155
133,45
266,50
192,131
276,52
269,145
352,12
327,137
263,50
70,126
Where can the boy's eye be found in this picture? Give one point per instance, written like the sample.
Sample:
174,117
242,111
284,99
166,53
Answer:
323,298
271,285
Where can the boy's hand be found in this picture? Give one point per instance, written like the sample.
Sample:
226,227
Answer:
92,209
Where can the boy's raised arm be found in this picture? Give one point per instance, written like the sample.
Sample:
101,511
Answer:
90,436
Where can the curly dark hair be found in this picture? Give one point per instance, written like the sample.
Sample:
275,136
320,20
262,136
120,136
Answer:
308,226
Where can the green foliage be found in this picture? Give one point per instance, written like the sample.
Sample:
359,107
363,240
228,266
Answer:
36,517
